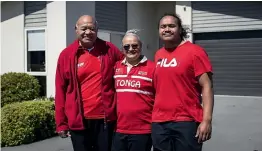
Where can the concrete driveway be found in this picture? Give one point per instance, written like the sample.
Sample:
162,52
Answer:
52,144
237,126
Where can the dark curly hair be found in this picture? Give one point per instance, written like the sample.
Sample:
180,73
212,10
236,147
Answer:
183,34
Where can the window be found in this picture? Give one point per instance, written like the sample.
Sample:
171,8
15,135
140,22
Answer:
35,56
103,35
117,39
36,51
114,37
42,82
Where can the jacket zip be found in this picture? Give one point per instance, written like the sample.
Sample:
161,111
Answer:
77,85
102,97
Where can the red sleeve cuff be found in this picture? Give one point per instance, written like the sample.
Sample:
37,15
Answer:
62,128
202,72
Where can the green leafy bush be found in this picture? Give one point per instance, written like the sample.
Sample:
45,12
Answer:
27,122
44,99
17,87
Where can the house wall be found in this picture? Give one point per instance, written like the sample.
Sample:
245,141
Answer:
56,40
141,16
12,37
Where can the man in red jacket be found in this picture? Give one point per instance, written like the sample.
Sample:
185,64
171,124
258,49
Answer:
84,101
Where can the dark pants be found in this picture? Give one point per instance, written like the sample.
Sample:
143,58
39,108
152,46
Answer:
132,142
175,136
96,137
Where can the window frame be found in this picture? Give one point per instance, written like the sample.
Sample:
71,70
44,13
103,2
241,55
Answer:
35,73
113,32
110,31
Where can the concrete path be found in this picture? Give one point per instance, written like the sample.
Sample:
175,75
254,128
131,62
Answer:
237,126
52,144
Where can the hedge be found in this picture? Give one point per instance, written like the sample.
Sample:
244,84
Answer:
17,87
27,122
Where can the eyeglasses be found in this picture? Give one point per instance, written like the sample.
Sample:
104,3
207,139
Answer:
127,46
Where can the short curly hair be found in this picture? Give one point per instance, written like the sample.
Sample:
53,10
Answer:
133,32
183,34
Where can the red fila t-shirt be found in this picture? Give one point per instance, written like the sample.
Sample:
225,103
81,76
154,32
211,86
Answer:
135,97
178,93
90,79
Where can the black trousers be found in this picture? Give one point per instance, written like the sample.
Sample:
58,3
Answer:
132,142
175,136
96,137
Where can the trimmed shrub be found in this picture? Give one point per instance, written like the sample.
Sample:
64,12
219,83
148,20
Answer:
17,87
27,122
44,99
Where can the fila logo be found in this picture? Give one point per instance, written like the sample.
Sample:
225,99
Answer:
80,64
164,63
128,83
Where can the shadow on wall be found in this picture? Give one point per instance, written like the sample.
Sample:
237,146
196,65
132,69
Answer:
236,8
12,9
10,6
72,15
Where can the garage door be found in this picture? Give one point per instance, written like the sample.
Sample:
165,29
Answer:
217,16
237,61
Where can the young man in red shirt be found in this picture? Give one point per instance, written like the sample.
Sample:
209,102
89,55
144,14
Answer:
135,97
84,101
183,72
